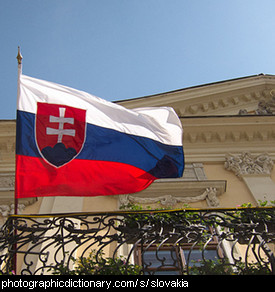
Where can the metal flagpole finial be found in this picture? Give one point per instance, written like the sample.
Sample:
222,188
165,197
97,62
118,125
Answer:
19,57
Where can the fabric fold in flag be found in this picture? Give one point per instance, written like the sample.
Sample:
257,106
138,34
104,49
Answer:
71,143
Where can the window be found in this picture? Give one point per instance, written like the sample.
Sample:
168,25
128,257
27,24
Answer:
158,261
174,259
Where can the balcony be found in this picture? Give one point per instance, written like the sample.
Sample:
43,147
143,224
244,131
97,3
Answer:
191,241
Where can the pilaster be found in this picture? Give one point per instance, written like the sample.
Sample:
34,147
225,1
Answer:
255,171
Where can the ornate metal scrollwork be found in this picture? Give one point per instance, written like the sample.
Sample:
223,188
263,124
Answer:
182,241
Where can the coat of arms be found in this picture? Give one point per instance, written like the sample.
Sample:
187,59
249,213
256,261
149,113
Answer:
60,132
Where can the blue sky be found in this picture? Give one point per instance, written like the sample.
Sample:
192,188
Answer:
119,49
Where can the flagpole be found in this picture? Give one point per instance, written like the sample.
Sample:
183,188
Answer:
19,61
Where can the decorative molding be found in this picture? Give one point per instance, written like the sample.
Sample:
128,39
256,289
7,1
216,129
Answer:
209,194
6,210
7,181
194,172
228,129
211,197
247,164
219,103
208,139
265,107
218,98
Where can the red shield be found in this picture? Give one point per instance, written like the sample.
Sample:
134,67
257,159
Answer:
60,132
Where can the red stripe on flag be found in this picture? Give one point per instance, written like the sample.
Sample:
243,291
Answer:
36,178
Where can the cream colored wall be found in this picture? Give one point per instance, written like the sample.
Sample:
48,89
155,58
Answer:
34,208
90,204
236,193
100,204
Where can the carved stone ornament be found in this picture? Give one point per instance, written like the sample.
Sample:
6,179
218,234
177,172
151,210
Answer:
7,182
245,164
210,194
265,107
211,198
6,210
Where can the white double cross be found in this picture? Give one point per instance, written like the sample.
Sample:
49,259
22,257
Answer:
61,120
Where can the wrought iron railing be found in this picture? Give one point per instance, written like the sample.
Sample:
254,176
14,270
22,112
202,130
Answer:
215,241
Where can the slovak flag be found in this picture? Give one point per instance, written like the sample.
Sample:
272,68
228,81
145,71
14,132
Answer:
71,143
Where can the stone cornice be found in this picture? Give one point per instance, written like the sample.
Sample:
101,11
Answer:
210,138
220,104
218,98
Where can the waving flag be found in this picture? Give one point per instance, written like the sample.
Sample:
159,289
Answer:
71,143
